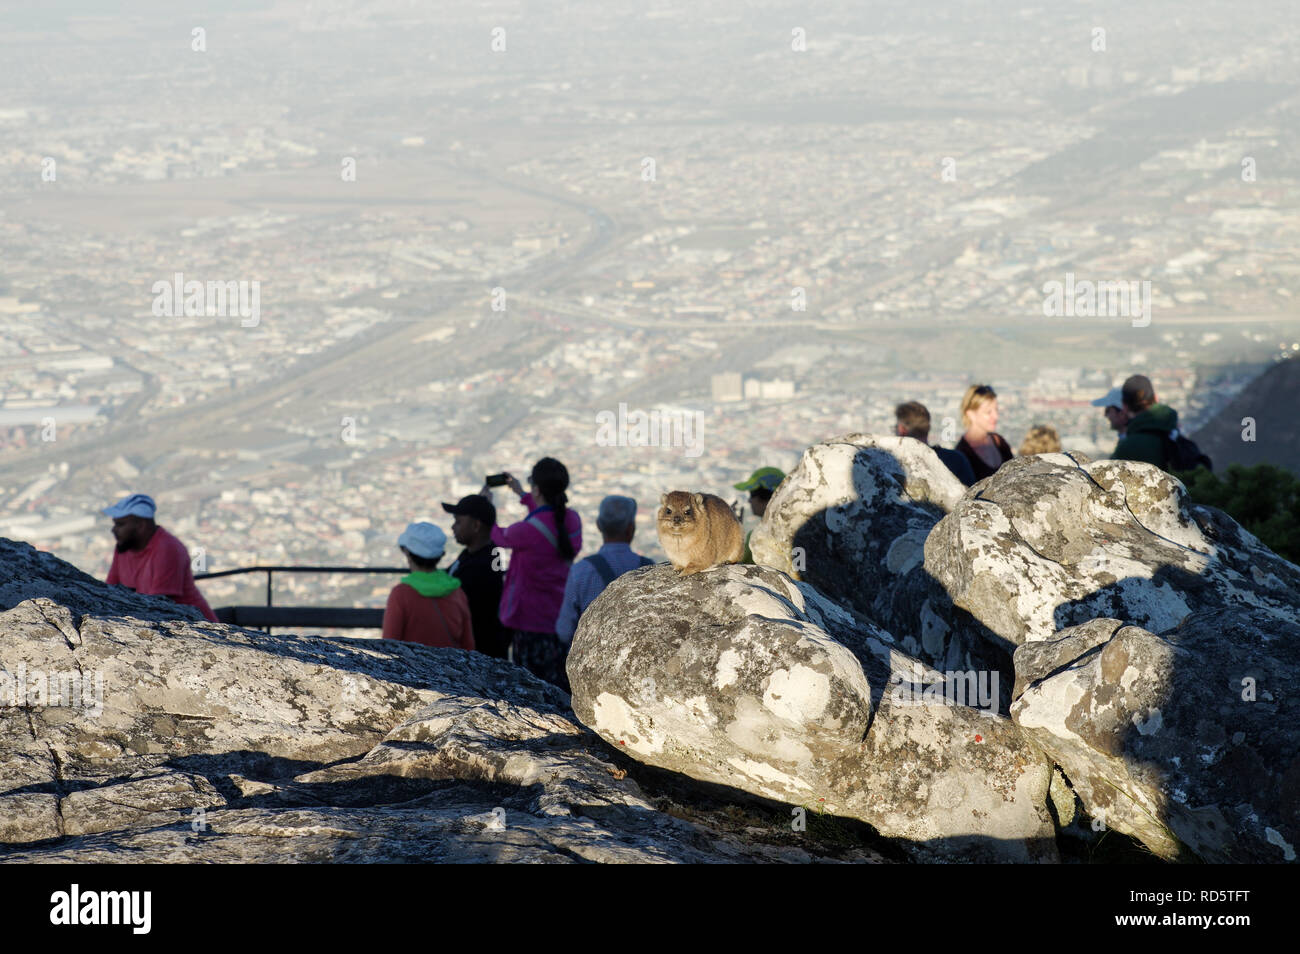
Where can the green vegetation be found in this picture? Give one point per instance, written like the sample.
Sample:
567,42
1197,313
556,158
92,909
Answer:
1264,499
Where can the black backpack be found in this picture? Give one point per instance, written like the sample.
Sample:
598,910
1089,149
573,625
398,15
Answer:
1181,453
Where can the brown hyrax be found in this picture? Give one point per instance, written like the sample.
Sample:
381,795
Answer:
698,531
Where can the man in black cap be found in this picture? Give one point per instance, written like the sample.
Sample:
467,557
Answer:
479,571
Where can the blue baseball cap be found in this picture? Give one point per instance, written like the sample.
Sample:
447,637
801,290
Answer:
423,540
136,505
1113,399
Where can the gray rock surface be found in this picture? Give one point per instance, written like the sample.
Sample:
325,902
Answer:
852,520
27,573
743,677
465,779
1054,541
1187,738
192,741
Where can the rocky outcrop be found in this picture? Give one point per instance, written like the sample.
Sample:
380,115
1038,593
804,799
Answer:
743,677
27,573
1187,738
1155,649
129,739
465,779
1055,541
1141,619
852,520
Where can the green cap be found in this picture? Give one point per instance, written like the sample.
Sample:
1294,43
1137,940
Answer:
768,478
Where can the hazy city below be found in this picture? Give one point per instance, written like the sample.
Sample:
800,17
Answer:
452,239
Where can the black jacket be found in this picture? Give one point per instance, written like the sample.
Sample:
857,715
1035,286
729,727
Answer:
977,464
482,585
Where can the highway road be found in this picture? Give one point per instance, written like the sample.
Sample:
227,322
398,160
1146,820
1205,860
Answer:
390,354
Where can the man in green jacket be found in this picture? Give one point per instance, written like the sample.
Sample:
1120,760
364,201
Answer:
1148,425
761,484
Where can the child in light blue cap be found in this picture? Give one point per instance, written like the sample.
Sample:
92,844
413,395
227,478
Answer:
428,606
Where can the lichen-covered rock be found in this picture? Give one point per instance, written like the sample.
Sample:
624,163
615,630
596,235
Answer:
27,573
154,799
1187,738
464,779
128,740
130,689
852,519
743,677
1054,541
737,677
29,801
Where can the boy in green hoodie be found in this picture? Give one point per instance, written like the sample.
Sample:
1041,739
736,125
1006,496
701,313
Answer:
1148,426
427,606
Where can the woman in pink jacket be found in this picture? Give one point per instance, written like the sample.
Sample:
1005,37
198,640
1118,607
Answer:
539,567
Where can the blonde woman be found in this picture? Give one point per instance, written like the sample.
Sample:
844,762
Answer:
1041,439
984,447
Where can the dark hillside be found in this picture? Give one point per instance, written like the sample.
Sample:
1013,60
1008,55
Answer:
1273,401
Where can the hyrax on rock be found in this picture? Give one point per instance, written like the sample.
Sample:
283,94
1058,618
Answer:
698,531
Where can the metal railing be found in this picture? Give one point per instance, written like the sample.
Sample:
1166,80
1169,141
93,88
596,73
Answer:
265,617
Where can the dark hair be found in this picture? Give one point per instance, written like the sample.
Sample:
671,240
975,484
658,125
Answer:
420,563
762,493
1137,393
552,479
915,417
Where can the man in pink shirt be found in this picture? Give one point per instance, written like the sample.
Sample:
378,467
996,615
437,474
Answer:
149,559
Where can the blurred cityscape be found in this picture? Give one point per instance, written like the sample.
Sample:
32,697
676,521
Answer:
473,230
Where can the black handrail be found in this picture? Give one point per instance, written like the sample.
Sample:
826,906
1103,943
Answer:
267,618
269,570
305,569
